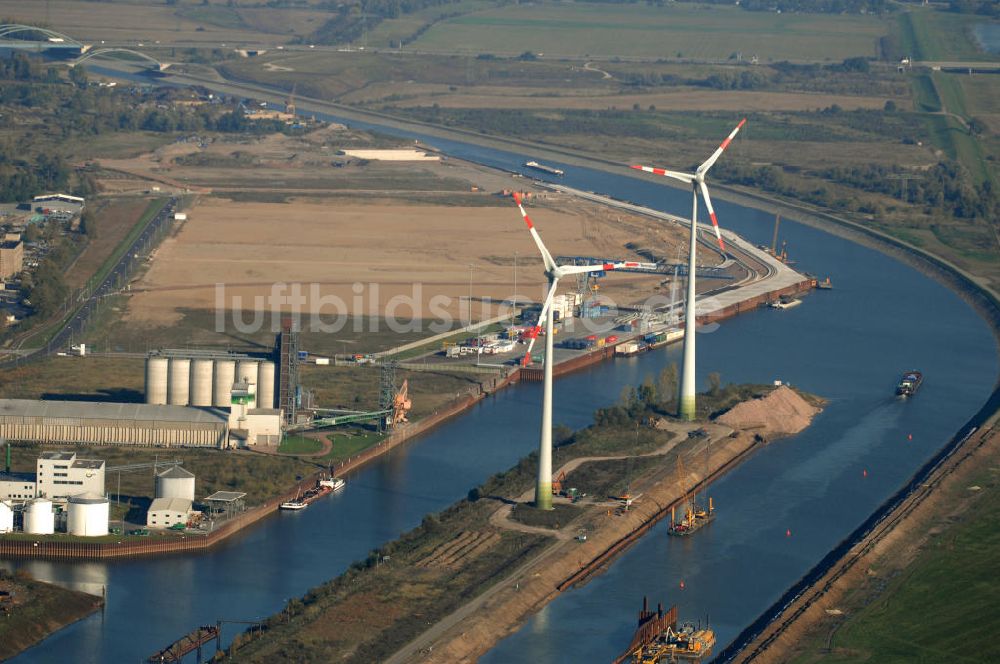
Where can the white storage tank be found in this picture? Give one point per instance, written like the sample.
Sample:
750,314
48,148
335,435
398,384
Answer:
39,518
265,385
222,383
156,380
175,482
88,515
179,381
6,517
201,383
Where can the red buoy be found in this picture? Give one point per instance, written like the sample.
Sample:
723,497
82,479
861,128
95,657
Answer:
909,436
864,473
788,533
682,584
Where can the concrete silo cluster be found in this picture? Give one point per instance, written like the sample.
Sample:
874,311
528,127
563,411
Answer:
205,379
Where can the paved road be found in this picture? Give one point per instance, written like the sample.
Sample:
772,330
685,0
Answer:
110,285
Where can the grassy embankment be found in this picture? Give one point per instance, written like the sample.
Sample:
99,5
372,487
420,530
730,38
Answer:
38,609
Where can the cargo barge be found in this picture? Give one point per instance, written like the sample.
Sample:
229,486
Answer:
909,384
658,639
310,496
545,169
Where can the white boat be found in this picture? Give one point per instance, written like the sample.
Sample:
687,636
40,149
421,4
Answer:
293,505
785,303
333,482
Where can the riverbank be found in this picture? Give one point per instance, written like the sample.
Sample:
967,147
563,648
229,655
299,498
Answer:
462,570
467,635
30,610
861,576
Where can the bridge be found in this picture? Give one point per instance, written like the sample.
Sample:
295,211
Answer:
149,60
33,38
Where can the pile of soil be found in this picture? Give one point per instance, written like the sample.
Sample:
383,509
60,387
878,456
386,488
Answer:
781,413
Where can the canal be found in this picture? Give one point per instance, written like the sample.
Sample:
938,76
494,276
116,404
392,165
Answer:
848,345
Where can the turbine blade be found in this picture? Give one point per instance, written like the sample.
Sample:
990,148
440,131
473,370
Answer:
722,148
546,256
683,177
711,213
533,334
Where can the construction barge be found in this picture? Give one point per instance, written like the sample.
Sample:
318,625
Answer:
658,639
695,517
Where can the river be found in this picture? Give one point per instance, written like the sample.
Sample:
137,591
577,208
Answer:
848,345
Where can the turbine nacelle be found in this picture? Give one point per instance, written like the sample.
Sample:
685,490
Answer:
697,179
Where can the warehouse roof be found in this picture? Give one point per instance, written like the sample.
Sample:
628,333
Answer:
102,410
170,504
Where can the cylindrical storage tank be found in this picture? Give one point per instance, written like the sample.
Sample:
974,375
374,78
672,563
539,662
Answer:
39,518
6,517
175,483
179,381
201,383
88,515
265,385
156,380
222,383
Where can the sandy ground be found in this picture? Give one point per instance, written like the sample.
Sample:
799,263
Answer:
367,254
780,413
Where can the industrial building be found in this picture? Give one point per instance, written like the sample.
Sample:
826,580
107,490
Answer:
17,486
58,476
100,423
205,378
61,475
166,512
11,255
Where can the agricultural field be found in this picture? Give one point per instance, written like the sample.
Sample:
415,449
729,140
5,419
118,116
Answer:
924,34
696,32
158,24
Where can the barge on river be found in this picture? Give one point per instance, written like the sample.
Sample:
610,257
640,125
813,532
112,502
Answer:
658,639
545,169
909,384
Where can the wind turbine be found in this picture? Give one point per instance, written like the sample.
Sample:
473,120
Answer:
697,182
553,272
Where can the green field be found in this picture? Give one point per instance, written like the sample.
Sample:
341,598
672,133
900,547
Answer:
299,445
690,31
938,36
943,607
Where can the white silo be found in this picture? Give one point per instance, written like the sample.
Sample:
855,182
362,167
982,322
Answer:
88,515
39,518
222,383
201,382
175,482
156,380
6,517
265,385
179,381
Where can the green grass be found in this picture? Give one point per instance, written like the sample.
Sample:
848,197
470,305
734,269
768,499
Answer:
347,445
556,518
299,445
694,31
941,608
925,94
938,36
151,211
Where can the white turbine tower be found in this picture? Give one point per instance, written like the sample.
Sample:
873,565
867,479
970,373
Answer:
553,272
697,182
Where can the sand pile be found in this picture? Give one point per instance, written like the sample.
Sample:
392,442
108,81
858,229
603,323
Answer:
780,413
